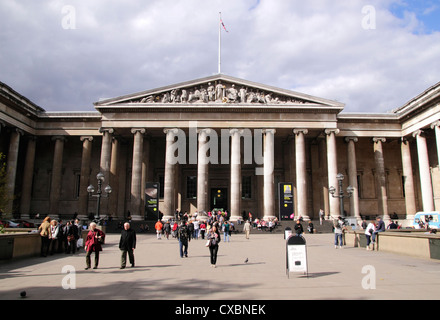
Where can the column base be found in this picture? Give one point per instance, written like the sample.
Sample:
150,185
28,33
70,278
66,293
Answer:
167,218
235,218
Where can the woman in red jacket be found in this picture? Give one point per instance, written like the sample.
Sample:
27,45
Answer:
94,239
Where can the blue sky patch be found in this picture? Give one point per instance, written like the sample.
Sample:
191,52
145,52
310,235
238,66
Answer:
426,12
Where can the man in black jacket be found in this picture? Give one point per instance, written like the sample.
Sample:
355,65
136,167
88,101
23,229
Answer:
127,244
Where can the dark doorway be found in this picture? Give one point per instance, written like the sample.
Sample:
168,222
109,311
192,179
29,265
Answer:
219,198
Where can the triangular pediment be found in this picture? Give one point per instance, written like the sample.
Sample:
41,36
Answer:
216,90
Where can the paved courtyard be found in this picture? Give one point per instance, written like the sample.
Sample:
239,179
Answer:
160,273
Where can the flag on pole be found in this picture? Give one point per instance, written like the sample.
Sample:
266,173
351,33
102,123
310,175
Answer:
221,21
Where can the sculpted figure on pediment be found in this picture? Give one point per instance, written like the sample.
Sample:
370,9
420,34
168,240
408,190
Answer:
173,96
251,98
211,92
166,97
203,95
184,96
148,99
219,91
242,94
232,94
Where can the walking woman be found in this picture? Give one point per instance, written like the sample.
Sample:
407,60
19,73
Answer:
94,239
214,239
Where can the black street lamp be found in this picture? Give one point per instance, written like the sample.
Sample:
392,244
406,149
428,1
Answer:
341,195
99,194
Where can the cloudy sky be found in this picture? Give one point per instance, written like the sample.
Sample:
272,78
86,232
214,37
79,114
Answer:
372,55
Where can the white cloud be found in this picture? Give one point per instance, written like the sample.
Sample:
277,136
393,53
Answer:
316,47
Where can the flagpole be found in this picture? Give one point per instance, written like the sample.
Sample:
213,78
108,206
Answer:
219,42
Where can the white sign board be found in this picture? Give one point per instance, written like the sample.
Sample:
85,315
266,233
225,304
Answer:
296,255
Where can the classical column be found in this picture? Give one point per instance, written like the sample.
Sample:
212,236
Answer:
114,179
269,186
11,173
382,198
57,170
425,174
408,184
235,209
84,181
28,173
301,173
145,170
136,173
332,170
169,179
104,167
436,127
106,150
352,177
202,173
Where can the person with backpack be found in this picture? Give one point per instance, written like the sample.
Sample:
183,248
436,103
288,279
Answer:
183,236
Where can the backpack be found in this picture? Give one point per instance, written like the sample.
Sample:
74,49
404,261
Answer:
183,233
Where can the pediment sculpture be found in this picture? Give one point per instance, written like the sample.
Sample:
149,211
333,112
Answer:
218,92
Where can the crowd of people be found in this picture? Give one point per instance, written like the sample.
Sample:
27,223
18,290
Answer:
58,237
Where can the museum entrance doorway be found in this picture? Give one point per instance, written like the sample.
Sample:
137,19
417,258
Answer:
219,199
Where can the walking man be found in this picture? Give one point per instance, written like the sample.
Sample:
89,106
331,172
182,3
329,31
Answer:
247,228
127,244
158,226
183,235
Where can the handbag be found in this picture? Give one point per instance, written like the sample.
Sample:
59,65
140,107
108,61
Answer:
208,243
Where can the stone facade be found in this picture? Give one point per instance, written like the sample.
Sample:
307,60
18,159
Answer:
221,141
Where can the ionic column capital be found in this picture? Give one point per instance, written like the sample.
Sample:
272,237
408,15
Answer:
62,138
379,139
417,133
273,131
435,124
136,130
330,131
298,131
109,130
348,139
83,138
171,133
